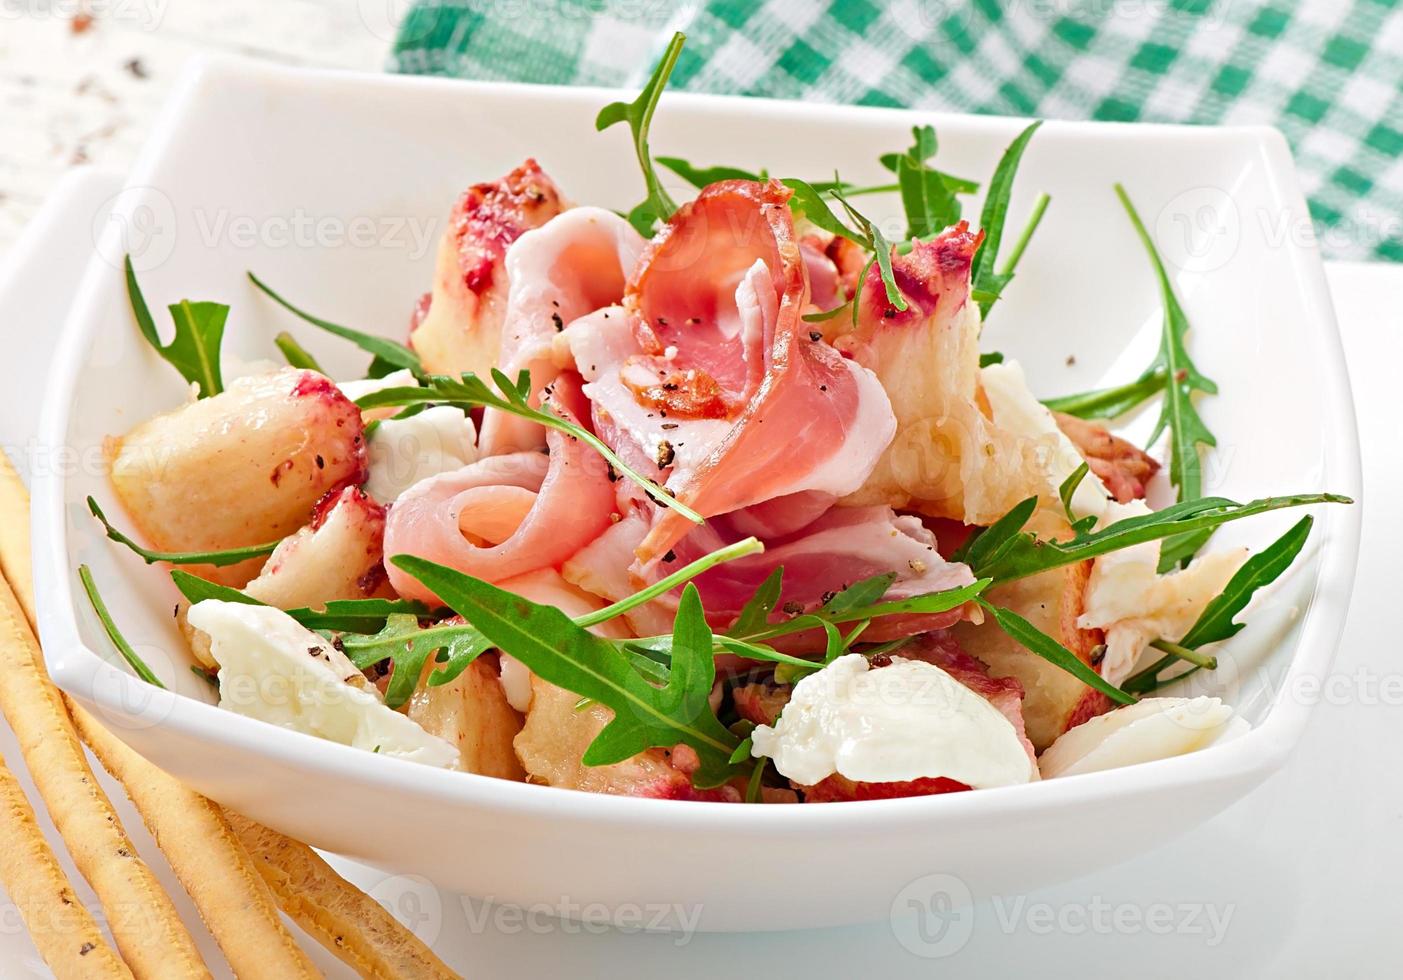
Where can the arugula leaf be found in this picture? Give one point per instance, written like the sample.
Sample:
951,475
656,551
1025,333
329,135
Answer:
1182,379
1038,642
470,391
957,185
563,653
703,176
808,202
295,354
129,654
929,203
1216,622
860,594
657,206
881,249
199,332
339,615
229,556
386,351
982,548
1019,554
408,646
1068,489
755,614
1109,403
983,277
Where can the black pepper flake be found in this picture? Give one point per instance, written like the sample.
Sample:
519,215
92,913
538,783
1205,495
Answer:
670,557
136,67
321,463
815,335
86,948
662,321
823,387
1071,360
555,303
793,608
666,454
613,477
827,597
669,425
889,313
559,323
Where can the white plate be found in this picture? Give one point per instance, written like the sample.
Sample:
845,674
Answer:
329,152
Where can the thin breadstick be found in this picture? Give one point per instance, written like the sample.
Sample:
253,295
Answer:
342,918
64,932
338,915
15,562
144,922
235,902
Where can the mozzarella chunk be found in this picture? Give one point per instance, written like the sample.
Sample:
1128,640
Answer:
1155,728
906,721
276,670
403,452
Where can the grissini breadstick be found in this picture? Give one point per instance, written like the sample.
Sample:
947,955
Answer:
338,915
64,932
234,900
147,928
15,562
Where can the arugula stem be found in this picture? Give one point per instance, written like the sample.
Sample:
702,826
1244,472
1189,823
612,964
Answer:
1184,653
1022,244
383,348
132,658
749,546
295,354
1109,403
219,559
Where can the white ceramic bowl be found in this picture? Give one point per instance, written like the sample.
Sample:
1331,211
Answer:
334,187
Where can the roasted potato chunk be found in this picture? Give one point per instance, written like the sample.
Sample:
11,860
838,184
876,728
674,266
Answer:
243,467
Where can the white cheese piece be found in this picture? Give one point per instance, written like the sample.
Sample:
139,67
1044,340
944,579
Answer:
403,452
276,670
1155,728
365,386
906,721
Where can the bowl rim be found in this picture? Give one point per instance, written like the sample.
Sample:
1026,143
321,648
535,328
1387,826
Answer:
78,669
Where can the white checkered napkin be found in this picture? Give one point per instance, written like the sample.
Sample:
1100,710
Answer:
1328,73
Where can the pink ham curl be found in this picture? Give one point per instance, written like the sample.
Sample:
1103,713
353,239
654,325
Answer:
506,515
716,303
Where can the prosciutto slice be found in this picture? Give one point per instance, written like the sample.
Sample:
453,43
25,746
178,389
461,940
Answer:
461,328
573,265
843,546
718,380
505,515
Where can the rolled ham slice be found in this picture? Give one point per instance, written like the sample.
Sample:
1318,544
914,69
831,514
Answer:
505,515
571,266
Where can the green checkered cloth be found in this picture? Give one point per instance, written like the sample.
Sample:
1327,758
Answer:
1328,73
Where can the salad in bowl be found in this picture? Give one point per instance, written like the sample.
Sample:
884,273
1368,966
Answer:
714,500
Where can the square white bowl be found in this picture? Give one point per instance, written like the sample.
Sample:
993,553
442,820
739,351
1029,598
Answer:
334,187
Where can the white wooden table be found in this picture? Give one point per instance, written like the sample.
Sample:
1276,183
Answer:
76,90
